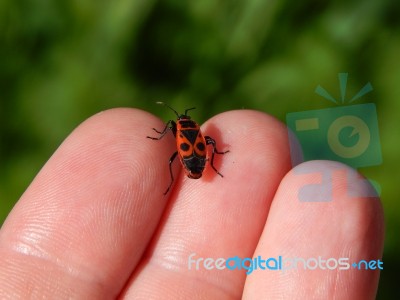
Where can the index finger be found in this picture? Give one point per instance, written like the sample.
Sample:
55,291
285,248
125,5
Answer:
82,225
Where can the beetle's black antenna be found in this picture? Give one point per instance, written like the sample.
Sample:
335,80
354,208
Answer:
165,104
188,110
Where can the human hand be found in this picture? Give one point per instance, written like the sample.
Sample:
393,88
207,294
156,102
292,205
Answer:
94,223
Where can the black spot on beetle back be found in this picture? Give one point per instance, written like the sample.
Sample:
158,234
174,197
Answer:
191,135
201,146
184,147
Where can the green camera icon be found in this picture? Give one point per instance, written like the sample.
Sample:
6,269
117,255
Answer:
348,134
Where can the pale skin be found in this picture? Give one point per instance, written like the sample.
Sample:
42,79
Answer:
94,223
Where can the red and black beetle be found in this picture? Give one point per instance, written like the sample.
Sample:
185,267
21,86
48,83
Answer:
191,145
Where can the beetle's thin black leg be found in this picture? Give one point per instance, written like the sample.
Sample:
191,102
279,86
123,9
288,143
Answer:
211,141
171,160
171,125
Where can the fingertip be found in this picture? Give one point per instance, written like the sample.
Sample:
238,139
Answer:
322,210
257,149
99,189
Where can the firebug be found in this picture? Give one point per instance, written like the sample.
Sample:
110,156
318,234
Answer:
190,144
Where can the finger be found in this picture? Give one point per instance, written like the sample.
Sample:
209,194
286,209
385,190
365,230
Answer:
82,225
216,217
319,241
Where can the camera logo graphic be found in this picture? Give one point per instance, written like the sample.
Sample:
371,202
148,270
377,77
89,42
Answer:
348,134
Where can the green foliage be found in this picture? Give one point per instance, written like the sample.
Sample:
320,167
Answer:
62,61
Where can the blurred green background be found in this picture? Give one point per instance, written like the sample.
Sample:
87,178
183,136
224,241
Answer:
63,61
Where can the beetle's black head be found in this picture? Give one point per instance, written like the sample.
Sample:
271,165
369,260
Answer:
184,117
